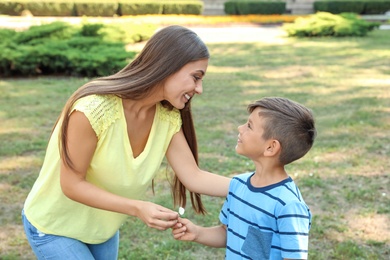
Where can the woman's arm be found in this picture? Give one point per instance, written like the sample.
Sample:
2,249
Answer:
82,143
196,180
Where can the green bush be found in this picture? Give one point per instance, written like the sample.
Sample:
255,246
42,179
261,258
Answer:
127,33
11,8
244,7
182,7
95,8
53,8
47,58
100,60
40,33
327,24
101,8
91,29
230,7
352,6
260,7
6,34
7,55
61,48
130,7
376,7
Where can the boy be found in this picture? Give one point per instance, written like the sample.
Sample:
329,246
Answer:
264,215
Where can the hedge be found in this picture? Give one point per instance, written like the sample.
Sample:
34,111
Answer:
104,8
244,7
358,7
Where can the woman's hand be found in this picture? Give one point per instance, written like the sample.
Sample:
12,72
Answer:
156,216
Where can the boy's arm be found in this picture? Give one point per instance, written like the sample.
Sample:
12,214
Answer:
209,236
294,218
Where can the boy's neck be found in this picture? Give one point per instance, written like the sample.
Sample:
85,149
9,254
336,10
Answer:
265,176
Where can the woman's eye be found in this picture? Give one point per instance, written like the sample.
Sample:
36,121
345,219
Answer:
196,78
249,126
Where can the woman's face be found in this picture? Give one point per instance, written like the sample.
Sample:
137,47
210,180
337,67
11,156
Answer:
181,86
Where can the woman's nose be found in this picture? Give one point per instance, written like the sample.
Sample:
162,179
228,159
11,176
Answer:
199,88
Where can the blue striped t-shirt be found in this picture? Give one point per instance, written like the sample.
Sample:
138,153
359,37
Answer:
270,222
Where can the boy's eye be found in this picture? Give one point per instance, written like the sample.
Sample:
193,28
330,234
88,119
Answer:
249,126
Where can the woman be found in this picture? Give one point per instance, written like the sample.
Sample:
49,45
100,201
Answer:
107,146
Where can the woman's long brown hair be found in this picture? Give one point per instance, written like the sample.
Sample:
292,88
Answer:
166,52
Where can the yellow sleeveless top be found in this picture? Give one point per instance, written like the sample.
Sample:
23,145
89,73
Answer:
113,168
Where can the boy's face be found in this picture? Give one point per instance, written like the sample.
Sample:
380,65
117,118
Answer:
250,141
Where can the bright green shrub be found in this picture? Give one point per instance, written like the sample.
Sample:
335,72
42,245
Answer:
6,34
75,57
7,55
50,57
126,33
100,60
39,33
327,24
83,43
60,48
91,29
23,61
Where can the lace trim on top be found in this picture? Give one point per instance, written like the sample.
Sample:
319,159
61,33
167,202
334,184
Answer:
101,111
172,116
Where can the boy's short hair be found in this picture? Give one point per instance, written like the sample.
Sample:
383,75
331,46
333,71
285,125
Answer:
290,123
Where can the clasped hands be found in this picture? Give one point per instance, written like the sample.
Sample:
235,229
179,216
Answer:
161,218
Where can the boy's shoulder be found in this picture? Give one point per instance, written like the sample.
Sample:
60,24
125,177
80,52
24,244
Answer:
242,176
291,198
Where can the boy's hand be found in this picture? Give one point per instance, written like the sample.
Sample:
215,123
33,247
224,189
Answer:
184,230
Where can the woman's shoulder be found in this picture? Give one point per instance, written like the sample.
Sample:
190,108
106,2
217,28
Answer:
97,102
101,110
169,115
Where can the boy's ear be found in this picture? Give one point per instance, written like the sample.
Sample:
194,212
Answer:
273,148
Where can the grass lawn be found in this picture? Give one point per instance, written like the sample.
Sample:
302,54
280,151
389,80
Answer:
345,178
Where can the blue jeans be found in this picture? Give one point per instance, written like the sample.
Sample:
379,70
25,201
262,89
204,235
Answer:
58,247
